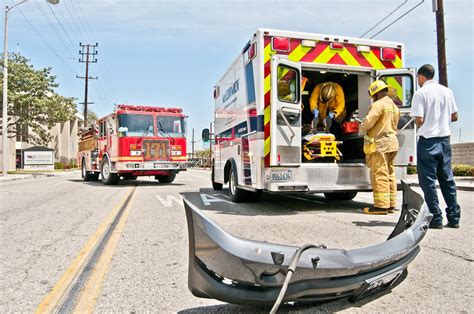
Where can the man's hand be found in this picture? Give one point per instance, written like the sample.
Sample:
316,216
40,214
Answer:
419,121
454,117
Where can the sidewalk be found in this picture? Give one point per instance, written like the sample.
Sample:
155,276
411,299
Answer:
34,175
462,183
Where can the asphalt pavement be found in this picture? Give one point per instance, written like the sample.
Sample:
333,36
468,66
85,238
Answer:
52,227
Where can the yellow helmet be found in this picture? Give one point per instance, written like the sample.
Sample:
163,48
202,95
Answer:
327,93
376,87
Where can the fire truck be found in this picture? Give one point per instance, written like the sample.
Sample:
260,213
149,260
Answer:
134,141
260,107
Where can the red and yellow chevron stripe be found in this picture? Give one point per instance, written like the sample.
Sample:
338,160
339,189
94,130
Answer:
322,53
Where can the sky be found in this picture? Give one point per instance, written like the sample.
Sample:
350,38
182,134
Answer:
171,53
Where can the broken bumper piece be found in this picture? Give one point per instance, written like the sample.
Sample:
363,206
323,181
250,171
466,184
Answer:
240,271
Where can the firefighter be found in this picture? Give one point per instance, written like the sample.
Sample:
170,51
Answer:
381,147
327,103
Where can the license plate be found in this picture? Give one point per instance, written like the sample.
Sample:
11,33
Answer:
280,175
162,166
376,284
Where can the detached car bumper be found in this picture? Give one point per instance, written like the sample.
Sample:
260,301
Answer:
240,271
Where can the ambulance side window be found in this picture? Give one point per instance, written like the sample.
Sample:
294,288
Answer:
400,90
288,84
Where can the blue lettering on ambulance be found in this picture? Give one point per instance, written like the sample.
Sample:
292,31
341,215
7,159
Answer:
231,91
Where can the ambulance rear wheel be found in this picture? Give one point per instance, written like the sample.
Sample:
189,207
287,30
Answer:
166,178
108,177
86,175
236,195
340,196
216,186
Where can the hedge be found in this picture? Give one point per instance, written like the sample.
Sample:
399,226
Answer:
458,170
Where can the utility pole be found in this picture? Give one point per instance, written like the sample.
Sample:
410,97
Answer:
210,144
87,53
440,34
192,145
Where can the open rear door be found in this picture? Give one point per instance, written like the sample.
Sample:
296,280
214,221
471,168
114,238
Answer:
285,113
402,87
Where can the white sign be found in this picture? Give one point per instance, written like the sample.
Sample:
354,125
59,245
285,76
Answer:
38,158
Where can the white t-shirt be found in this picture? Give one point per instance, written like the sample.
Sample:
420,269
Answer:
435,103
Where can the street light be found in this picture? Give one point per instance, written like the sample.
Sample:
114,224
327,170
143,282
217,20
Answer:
5,146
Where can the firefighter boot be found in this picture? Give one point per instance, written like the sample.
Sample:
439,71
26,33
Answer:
375,210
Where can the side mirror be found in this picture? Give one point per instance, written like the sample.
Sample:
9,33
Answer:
205,135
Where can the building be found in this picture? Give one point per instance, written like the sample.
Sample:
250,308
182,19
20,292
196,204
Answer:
64,142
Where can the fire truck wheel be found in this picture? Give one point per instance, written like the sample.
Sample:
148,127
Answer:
108,178
86,175
340,196
236,195
166,178
216,186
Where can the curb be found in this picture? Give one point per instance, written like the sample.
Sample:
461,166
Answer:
30,176
458,187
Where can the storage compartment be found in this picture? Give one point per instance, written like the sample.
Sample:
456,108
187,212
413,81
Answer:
354,86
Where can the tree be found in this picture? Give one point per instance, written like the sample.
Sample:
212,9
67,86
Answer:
203,156
33,102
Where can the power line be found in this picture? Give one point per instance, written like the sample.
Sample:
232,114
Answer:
54,29
45,42
413,8
384,18
79,32
61,25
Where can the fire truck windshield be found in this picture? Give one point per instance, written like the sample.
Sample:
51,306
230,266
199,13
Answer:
170,126
136,125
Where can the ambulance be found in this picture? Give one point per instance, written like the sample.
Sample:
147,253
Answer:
260,107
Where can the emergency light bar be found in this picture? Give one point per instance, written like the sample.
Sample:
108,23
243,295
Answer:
148,108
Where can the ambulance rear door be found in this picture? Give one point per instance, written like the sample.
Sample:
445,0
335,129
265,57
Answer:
402,87
285,147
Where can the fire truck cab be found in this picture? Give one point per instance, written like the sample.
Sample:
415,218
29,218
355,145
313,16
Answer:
261,108
134,141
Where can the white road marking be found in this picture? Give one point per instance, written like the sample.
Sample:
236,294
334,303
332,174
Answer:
208,199
168,202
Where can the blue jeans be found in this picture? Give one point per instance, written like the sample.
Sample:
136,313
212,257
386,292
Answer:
434,162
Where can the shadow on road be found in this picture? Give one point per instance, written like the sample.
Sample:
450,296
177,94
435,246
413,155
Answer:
270,205
374,223
127,183
325,307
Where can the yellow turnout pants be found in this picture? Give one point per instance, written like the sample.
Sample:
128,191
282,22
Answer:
382,177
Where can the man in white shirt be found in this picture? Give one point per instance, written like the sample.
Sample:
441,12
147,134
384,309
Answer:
434,109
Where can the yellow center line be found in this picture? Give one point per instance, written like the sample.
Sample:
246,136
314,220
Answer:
54,297
93,287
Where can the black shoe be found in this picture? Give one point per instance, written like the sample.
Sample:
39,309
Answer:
436,226
452,225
